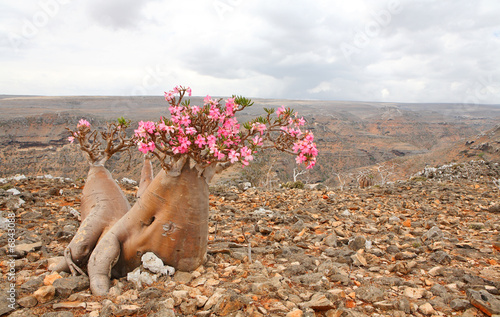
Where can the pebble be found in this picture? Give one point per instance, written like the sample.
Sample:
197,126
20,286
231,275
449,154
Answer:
414,293
28,301
45,294
370,294
49,279
459,304
426,309
319,302
295,313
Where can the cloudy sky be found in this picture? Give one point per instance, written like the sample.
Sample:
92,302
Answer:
367,50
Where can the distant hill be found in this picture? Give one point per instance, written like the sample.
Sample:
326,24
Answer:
351,136
484,146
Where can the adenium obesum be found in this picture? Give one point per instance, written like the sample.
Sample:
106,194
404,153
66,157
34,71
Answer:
211,133
100,146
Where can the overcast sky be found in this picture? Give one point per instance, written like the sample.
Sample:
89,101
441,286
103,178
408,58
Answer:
390,50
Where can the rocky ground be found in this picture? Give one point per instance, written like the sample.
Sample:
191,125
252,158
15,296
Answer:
429,246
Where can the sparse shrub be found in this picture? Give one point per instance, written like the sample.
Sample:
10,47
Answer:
6,187
365,181
293,185
418,179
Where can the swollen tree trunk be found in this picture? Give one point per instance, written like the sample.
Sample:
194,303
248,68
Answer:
146,176
102,204
170,219
102,190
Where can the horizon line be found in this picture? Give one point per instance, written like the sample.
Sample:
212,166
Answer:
8,96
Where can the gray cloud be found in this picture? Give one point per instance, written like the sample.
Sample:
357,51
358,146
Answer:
379,50
117,14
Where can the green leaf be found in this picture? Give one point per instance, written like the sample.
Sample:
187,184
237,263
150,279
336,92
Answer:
269,111
242,101
123,122
260,120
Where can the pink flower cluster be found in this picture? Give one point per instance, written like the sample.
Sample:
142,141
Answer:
83,123
146,147
306,150
82,126
170,95
304,147
211,133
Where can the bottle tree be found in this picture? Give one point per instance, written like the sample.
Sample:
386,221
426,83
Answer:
102,200
170,218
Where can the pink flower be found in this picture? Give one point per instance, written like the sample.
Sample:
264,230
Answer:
311,164
200,141
71,139
145,128
169,95
280,111
185,120
231,124
300,158
309,137
146,147
175,111
300,121
190,130
195,109
294,132
184,145
219,155
257,126
211,140
214,113
181,149
167,128
233,156
177,149
188,90
207,100
223,132
149,126
246,153
230,107
83,123
257,141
